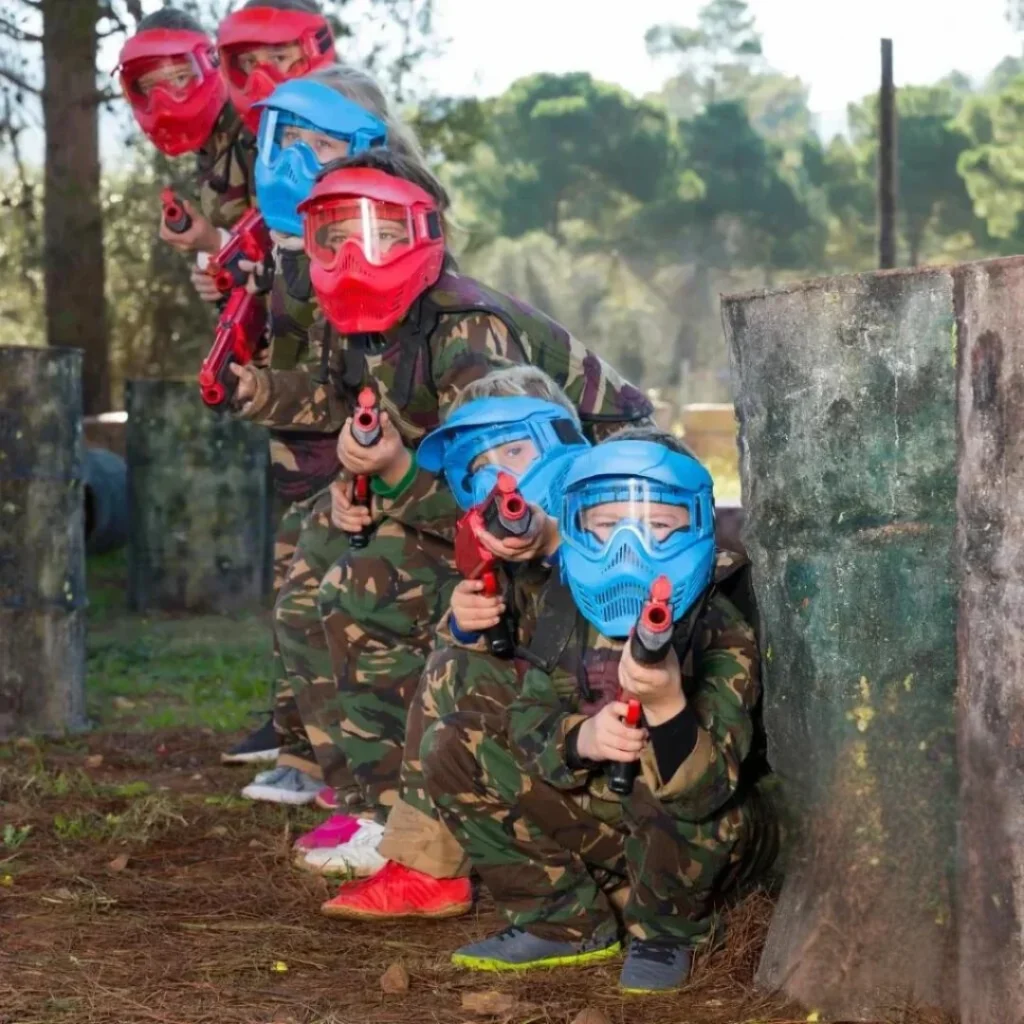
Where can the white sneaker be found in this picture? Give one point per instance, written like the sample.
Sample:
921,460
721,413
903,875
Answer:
283,786
358,857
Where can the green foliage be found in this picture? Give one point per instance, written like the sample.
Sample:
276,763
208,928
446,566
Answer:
12,836
564,147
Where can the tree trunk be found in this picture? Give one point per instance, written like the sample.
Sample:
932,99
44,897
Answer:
73,222
42,543
846,397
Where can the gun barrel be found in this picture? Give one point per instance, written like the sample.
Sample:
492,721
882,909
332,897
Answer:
175,215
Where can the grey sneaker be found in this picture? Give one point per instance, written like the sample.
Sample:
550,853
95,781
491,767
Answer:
655,965
517,950
283,786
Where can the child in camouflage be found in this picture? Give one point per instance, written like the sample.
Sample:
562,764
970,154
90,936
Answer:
515,420
518,759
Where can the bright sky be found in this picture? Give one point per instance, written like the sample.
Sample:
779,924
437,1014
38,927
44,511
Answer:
832,46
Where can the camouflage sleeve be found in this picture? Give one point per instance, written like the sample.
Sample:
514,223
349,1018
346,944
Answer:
724,695
466,347
296,400
538,726
426,505
224,174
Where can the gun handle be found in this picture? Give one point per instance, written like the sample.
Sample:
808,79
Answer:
361,497
621,775
362,538
499,639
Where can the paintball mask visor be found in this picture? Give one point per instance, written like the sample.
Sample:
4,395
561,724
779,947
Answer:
383,232
664,520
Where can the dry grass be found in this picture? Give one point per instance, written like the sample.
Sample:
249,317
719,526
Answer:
196,928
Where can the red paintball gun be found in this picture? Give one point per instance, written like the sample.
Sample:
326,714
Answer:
503,513
249,240
175,215
366,430
237,338
649,645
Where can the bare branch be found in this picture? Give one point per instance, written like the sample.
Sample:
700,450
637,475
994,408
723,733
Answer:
19,35
16,79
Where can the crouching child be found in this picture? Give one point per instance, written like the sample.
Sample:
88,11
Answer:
521,769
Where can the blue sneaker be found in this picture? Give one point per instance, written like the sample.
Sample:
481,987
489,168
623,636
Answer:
283,786
655,965
517,950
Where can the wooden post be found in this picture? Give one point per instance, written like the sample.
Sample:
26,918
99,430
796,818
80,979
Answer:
198,488
887,156
846,402
990,543
42,542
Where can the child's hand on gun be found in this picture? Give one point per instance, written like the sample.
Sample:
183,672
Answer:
659,688
473,611
346,516
605,737
543,539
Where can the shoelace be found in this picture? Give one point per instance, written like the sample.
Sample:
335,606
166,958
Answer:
661,952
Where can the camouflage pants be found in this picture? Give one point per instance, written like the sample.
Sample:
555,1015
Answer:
303,648
379,606
286,714
549,862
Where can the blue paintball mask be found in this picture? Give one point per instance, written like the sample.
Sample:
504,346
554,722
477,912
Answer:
286,171
532,439
633,511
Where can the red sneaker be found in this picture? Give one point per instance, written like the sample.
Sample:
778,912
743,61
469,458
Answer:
398,891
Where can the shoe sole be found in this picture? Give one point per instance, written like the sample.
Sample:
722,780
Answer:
272,796
255,757
341,871
650,991
364,915
473,963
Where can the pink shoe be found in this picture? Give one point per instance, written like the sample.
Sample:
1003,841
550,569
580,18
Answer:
327,799
336,830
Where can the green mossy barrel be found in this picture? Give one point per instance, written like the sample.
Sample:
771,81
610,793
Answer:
198,490
846,398
42,542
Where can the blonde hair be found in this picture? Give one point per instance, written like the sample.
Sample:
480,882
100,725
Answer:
515,382
362,88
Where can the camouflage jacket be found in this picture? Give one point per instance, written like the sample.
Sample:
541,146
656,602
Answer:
224,170
456,333
302,462
721,679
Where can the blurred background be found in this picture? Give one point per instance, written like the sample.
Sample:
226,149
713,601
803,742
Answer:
618,165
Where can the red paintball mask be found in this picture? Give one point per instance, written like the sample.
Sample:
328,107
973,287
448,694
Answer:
170,78
266,28
375,245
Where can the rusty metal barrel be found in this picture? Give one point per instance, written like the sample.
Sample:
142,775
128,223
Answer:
198,490
42,542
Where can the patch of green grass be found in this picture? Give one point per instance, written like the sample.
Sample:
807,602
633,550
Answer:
201,671
106,584
12,836
139,822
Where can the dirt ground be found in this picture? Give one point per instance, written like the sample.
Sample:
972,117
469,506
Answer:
136,887
207,921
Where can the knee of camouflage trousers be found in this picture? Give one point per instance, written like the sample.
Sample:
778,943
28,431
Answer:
379,606
529,842
681,871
